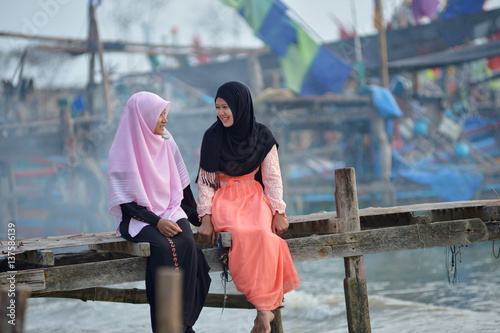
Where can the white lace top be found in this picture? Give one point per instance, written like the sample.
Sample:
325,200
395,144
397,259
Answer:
271,177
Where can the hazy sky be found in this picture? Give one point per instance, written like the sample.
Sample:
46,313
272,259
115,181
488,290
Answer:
215,23
68,18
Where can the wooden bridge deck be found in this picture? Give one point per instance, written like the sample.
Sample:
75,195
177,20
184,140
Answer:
112,260
348,233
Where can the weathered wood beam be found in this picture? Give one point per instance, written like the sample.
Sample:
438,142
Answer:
138,296
92,274
12,309
355,289
33,279
85,256
317,223
486,210
141,249
80,276
54,242
314,247
225,238
40,257
419,236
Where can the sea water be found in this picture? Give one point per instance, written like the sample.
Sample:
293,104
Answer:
409,291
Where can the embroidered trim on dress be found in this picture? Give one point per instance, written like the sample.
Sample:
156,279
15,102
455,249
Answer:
174,254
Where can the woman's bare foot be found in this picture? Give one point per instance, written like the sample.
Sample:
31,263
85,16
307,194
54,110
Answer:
262,323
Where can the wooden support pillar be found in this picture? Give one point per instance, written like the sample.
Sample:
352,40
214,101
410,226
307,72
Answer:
168,300
104,74
277,323
356,294
255,74
378,123
92,48
383,43
95,46
8,202
12,308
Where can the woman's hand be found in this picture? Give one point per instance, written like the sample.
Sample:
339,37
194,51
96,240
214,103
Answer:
168,228
206,230
280,223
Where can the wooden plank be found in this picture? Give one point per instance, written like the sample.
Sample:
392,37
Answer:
487,210
425,213
93,274
81,276
316,247
392,239
141,249
33,279
138,296
428,207
54,242
12,309
317,223
85,256
224,236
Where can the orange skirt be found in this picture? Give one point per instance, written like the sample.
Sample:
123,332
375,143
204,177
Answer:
259,261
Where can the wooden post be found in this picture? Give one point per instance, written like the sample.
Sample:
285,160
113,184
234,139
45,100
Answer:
277,323
255,73
92,49
104,74
168,300
388,196
13,306
95,44
8,204
383,43
356,294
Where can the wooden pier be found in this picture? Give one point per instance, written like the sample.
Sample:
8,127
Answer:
347,232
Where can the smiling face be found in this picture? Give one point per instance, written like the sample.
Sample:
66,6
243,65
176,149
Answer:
162,121
224,112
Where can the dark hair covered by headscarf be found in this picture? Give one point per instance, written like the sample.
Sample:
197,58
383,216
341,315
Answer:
239,149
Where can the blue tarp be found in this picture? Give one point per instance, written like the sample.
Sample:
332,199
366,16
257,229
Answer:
450,181
384,102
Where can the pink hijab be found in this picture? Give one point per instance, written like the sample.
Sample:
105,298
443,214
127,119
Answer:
145,167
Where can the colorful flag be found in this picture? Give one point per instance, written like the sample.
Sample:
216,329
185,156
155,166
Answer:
424,8
460,7
309,68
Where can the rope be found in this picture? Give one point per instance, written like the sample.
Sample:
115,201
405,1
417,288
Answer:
224,260
456,257
496,255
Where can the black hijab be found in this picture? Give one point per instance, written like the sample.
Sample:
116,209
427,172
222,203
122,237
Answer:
240,149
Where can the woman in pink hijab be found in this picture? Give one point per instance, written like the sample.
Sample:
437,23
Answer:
150,197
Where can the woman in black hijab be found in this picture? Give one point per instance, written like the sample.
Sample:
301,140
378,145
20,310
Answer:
240,191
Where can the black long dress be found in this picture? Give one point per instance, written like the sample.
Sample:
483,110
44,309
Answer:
179,252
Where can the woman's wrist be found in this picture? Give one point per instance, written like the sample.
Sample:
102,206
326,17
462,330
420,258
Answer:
206,218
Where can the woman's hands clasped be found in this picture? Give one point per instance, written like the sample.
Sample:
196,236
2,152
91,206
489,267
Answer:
280,223
168,228
206,230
